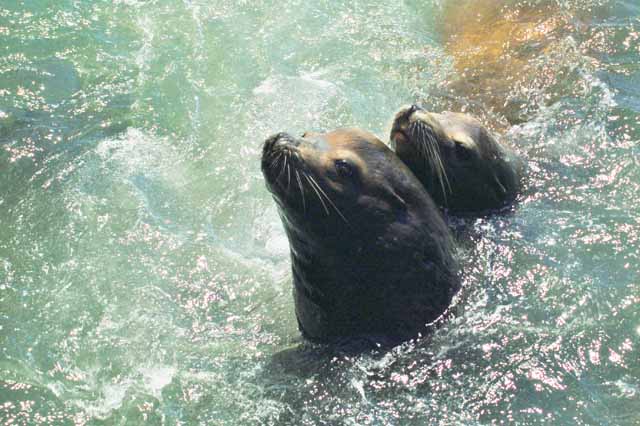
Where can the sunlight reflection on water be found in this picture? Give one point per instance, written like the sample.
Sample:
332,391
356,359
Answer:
144,273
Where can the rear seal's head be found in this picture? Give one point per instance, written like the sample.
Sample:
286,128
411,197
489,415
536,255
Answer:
464,168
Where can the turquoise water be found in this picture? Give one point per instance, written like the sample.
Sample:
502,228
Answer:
144,273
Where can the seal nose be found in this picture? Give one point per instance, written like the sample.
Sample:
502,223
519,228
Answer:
270,142
279,140
273,145
413,108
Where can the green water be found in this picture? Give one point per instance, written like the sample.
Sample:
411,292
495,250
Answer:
144,273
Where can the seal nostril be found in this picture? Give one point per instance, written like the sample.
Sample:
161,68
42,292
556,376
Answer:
409,111
283,141
270,142
276,141
413,108
280,140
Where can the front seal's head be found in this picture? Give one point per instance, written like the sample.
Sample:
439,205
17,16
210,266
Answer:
325,182
371,254
463,167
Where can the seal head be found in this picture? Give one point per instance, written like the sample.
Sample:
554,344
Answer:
371,255
462,166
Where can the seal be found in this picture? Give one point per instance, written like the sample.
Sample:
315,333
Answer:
462,166
371,255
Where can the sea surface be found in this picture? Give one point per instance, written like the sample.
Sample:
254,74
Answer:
144,272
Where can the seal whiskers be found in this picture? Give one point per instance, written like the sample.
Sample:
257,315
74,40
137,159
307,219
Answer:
313,181
282,158
317,193
442,172
304,203
428,146
275,160
286,156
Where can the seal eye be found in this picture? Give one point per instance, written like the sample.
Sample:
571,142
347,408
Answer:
462,152
344,169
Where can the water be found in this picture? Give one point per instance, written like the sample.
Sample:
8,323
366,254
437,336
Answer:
144,273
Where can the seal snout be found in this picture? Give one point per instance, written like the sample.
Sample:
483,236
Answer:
279,141
401,123
404,115
280,159
410,110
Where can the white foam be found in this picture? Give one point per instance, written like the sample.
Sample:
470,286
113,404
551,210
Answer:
293,103
311,81
628,390
136,151
156,377
112,398
277,246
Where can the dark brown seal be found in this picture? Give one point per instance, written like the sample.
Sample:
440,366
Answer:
371,255
462,166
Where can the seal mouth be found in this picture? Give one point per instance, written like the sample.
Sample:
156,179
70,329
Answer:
399,136
401,130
